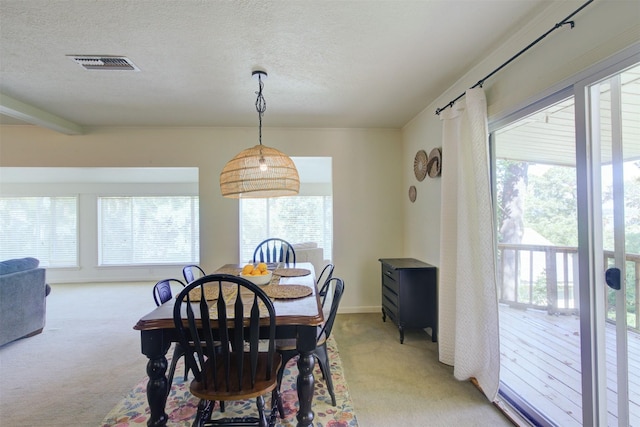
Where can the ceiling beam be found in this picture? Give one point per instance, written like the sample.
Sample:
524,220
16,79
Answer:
30,114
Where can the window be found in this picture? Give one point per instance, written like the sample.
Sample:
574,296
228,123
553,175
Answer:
148,230
295,219
307,217
41,227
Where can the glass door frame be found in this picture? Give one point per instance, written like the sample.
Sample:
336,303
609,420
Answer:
590,264
590,267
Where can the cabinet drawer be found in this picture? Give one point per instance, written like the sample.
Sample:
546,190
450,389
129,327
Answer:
392,312
389,295
389,272
390,283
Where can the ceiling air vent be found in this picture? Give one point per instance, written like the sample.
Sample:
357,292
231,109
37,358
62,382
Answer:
96,62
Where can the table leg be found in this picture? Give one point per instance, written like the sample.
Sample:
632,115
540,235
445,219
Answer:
155,347
306,342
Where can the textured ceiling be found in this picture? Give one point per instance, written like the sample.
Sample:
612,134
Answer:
373,64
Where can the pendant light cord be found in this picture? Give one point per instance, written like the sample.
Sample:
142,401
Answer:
261,105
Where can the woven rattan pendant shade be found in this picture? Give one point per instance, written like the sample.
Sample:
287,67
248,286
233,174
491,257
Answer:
260,171
243,177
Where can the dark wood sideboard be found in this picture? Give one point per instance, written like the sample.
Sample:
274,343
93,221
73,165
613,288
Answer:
410,294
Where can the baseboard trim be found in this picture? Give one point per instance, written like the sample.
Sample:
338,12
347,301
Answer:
360,310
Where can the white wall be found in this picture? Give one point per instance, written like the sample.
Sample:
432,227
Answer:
372,169
601,29
366,181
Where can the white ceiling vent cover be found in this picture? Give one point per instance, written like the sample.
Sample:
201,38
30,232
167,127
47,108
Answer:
97,62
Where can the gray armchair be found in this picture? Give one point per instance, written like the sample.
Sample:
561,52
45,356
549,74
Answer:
23,292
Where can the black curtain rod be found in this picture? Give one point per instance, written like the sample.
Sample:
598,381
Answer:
564,22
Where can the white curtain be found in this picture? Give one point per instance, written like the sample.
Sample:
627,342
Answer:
468,332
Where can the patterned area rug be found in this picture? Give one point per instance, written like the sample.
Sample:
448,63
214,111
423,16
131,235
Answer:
181,406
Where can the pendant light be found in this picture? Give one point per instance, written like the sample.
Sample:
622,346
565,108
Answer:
259,171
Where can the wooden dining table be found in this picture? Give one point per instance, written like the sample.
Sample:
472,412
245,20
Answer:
295,318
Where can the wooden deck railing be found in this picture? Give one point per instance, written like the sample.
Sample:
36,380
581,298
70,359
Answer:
545,277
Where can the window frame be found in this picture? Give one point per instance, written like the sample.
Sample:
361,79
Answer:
194,238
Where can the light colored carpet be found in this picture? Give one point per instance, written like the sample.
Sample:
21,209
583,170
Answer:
404,384
85,361
88,359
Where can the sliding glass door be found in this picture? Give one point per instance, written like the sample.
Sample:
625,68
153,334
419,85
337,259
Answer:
613,118
567,185
536,189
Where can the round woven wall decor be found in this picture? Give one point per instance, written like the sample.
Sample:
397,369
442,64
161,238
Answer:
420,165
412,193
434,164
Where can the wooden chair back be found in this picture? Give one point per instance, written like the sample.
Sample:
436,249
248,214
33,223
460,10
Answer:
241,315
274,250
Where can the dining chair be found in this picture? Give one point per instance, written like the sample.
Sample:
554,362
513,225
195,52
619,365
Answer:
326,274
162,290
332,289
192,272
274,250
237,315
161,294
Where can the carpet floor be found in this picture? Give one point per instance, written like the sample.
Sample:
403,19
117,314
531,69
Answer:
181,406
88,360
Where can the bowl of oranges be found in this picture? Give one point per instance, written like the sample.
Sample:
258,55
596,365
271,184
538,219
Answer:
258,274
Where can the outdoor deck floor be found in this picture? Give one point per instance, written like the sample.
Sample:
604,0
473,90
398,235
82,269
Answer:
541,361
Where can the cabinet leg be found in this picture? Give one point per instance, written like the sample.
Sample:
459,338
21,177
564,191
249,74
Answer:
384,316
401,329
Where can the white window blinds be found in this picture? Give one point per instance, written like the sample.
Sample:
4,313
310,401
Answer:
148,230
296,219
45,228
